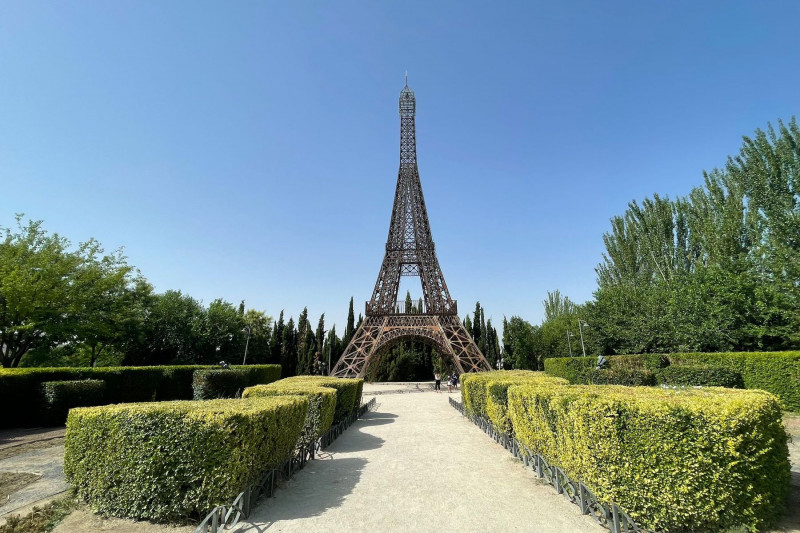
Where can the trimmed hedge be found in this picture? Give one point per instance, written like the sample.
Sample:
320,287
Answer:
347,392
496,387
172,460
21,387
580,369
474,386
58,397
218,383
775,372
621,376
705,376
321,403
675,459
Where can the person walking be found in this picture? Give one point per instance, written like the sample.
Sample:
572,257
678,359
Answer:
438,382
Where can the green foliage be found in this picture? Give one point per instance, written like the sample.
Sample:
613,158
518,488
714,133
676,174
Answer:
172,460
347,391
474,387
210,384
621,376
705,376
676,460
496,387
51,293
405,361
775,372
58,397
21,387
580,369
321,403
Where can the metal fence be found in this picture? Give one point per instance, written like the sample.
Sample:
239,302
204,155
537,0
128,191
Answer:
225,517
609,515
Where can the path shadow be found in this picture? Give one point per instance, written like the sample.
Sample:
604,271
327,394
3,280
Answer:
791,520
355,440
322,485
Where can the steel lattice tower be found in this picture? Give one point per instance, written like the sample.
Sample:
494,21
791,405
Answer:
410,252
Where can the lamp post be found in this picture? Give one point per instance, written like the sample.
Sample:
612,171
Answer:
499,364
582,323
248,329
569,344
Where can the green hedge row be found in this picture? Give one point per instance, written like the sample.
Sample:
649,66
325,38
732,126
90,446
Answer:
775,372
704,376
321,403
348,392
58,397
629,377
217,383
675,459
484,393
21,387
172,460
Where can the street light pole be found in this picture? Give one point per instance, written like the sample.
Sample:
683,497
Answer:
569,344
248,329
580,324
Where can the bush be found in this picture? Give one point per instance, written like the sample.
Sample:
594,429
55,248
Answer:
171,460
346,392
229,383
578,370
775,372
621,376
21,387
58,397
705,376
321,403
675,460
497,393
474,386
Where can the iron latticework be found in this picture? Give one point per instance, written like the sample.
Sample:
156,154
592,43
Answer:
410,252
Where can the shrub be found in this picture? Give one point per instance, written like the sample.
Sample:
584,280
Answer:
321,403
346,392
58,397
21,387
474,386
579,369
706,376
675,460
497,393
775,372
621,376
217,383
171,460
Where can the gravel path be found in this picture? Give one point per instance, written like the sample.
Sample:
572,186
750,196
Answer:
415,464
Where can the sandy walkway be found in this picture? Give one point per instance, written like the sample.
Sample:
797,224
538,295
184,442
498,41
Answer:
415,464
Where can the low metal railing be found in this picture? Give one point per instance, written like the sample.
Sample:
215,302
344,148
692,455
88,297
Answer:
225,517
609,515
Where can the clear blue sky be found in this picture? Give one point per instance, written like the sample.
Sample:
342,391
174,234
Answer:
249,150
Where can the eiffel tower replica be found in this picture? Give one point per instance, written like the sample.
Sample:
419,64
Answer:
410,252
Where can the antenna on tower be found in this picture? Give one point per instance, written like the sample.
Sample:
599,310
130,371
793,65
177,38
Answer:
406,78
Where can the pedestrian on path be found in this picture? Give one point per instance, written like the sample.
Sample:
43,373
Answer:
438,382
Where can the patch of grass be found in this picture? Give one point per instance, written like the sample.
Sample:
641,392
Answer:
41,519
